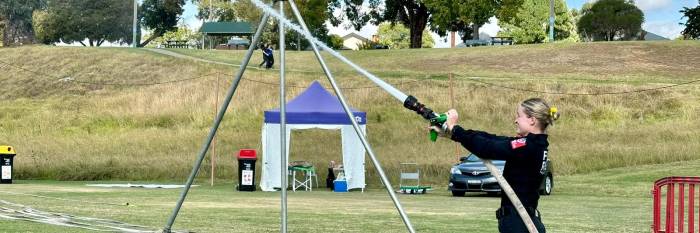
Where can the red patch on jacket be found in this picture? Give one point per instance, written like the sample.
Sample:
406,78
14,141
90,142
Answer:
517,143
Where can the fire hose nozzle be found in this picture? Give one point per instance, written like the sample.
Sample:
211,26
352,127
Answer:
435,119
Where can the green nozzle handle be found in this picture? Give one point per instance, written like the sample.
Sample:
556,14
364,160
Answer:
433,135
438,121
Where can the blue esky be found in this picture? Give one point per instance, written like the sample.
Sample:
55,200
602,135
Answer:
661,17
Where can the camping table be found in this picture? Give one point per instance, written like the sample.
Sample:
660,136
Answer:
309,172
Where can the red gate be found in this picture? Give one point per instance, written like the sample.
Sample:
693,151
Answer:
675,220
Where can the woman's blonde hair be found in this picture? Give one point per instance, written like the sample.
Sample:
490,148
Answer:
539,109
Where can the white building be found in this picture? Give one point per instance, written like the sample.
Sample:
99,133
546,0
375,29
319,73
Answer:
353,41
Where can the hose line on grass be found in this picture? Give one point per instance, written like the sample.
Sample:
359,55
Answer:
14,211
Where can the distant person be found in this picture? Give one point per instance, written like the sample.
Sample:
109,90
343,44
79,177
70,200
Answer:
270,58
331,175
525,156
263,48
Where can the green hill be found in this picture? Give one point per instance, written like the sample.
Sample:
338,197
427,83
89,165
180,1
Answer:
132,114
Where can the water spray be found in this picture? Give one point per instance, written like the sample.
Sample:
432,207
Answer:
410,103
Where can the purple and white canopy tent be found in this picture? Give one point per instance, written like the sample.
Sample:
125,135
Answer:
313,108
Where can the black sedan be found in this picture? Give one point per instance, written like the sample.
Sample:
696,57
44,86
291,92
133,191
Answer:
471,175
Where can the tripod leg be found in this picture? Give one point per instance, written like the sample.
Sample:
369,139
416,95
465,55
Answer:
378,166
217,121
283,130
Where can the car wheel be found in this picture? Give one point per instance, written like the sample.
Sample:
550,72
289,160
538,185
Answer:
548,185
458,193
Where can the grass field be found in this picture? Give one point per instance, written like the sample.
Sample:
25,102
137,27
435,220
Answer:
614,200
84,113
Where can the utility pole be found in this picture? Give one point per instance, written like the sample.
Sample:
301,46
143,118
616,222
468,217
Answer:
135,43
210,20
551,20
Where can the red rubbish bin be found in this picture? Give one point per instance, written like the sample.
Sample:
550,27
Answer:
246,169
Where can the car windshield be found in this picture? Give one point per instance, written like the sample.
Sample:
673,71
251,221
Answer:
472,158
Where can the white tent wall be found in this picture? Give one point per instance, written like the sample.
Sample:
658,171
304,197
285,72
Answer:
353,153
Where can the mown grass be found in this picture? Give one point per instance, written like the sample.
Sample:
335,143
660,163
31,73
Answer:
70,131
613,200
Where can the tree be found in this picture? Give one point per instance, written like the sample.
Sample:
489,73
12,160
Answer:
354,12
183,33
531,23
160,16
39,25
413,14
2,29
463,16
335,41
611,20
692,26
312,11
314,14
216,10
76,20
467,16
397,36
17,16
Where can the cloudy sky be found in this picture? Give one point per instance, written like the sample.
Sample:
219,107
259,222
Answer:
661,17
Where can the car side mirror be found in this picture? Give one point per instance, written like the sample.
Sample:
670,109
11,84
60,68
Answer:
462,159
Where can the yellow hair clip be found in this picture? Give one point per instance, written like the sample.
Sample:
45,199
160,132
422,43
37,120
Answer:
553,112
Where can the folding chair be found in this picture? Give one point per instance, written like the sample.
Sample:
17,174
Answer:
308,173
409,181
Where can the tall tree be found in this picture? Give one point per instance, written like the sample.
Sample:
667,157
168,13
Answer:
72,21
17,16
314,13
467,16
611,20
692,26
160,16
397,36
531,23
356,13
413,14
216,10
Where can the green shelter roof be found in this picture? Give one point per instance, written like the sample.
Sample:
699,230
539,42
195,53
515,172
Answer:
227,28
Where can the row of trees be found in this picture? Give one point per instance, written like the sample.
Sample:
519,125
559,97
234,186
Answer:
46,21
16,17
69,21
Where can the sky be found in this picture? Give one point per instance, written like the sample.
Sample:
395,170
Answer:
661,17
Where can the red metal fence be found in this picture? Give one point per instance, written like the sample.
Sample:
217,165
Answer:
676,212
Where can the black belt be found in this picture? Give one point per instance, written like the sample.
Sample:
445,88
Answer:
508,210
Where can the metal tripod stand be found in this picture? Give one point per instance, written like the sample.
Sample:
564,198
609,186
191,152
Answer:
336,89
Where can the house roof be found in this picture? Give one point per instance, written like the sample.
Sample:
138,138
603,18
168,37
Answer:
652,36
355,35
227,28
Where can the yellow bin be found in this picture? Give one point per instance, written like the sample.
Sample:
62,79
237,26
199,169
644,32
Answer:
7,154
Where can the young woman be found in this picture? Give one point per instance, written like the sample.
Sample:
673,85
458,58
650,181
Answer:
525,156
